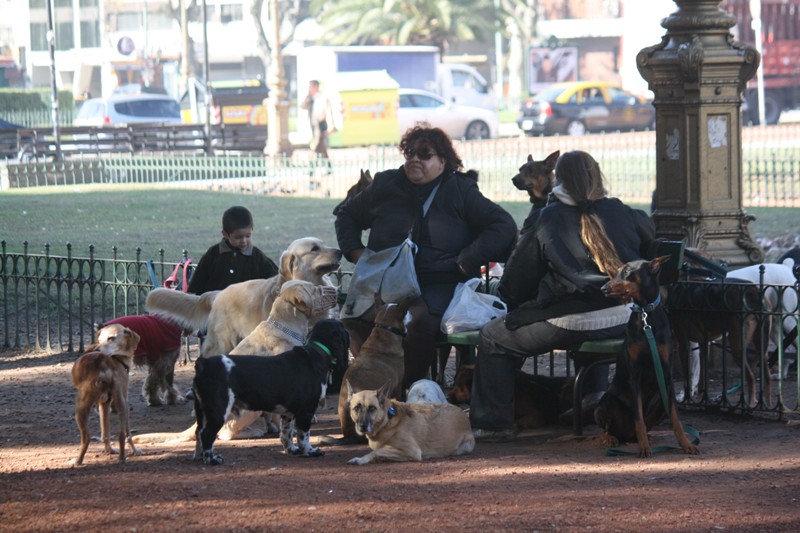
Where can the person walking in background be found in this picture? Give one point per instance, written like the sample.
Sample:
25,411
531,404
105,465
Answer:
320,116
234,258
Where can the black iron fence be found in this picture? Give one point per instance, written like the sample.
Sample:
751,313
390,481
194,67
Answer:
51,302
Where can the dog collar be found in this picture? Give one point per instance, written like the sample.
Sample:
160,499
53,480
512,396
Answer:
396,331
286,331
324,349
649,307
391,412
120,361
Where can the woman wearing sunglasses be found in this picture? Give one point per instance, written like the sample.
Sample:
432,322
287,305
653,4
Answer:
456,233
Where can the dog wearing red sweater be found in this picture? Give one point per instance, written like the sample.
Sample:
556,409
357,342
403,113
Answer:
158,349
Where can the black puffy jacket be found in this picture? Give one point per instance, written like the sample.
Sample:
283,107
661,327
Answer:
462,227
550,273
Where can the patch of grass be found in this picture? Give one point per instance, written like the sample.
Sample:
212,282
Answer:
131,217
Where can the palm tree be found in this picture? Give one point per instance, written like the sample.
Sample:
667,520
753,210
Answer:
439,23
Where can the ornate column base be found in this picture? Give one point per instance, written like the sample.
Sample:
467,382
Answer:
723,234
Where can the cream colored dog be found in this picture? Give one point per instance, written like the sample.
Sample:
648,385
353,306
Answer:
231,314
286,327
400,431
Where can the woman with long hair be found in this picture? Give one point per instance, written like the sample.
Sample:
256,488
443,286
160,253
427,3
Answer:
552,284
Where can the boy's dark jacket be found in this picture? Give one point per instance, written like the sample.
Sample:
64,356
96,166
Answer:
223,265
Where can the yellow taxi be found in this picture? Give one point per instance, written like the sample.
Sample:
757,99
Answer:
577,108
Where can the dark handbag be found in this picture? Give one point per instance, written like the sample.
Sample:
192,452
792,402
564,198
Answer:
323,125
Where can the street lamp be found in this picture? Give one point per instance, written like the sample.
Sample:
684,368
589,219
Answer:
51,45
277,104
755,13
206,76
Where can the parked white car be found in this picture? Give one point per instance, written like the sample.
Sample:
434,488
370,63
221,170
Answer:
457,120
128,109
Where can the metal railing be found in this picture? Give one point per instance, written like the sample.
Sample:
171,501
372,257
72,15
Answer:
771,166
51,303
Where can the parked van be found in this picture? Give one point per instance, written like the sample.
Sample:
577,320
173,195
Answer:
232,102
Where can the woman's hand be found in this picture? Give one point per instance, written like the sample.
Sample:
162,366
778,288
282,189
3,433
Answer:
357,255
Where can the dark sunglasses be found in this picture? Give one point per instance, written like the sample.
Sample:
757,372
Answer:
423,154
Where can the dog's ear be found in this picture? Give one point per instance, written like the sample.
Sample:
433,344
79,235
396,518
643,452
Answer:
349,390
551,159
287,265
133,338
657,263
530,158
383,392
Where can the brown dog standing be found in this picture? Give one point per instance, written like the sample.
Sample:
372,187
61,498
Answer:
634,390
101,378
380,361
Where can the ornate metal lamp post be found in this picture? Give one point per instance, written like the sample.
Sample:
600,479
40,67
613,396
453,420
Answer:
698,73
277,104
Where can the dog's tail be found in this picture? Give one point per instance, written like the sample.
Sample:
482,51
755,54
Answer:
166,438
190,311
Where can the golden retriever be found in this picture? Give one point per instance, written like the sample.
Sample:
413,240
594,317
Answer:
231,314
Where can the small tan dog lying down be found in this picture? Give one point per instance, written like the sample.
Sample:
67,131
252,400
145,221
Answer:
399,431
286,327
229,315
101,377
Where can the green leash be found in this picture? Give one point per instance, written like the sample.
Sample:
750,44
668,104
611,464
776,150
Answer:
662,387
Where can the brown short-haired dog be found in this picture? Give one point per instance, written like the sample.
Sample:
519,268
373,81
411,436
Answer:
101,378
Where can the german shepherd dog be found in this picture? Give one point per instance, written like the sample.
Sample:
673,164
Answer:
632,404
101,377
536,177
399,431
380,361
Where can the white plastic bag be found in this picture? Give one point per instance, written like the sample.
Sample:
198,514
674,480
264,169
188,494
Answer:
469,310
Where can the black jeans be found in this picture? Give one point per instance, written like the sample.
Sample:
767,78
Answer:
500,354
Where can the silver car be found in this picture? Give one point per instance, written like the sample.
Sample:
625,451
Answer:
128,109
457,120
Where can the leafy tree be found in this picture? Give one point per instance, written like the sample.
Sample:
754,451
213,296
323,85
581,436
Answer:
439,23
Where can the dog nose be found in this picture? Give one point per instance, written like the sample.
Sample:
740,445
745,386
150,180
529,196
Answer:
605,289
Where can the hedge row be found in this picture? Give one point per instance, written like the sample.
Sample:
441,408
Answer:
32,99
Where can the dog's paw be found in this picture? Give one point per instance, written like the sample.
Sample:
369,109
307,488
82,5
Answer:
358,461
211,458
314,452
293,450
74,462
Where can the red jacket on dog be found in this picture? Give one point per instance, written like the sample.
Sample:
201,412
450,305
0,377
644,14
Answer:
156,335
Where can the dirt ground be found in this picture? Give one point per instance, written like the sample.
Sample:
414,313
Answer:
747,477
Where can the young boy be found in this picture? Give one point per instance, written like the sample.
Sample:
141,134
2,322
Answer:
234,259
